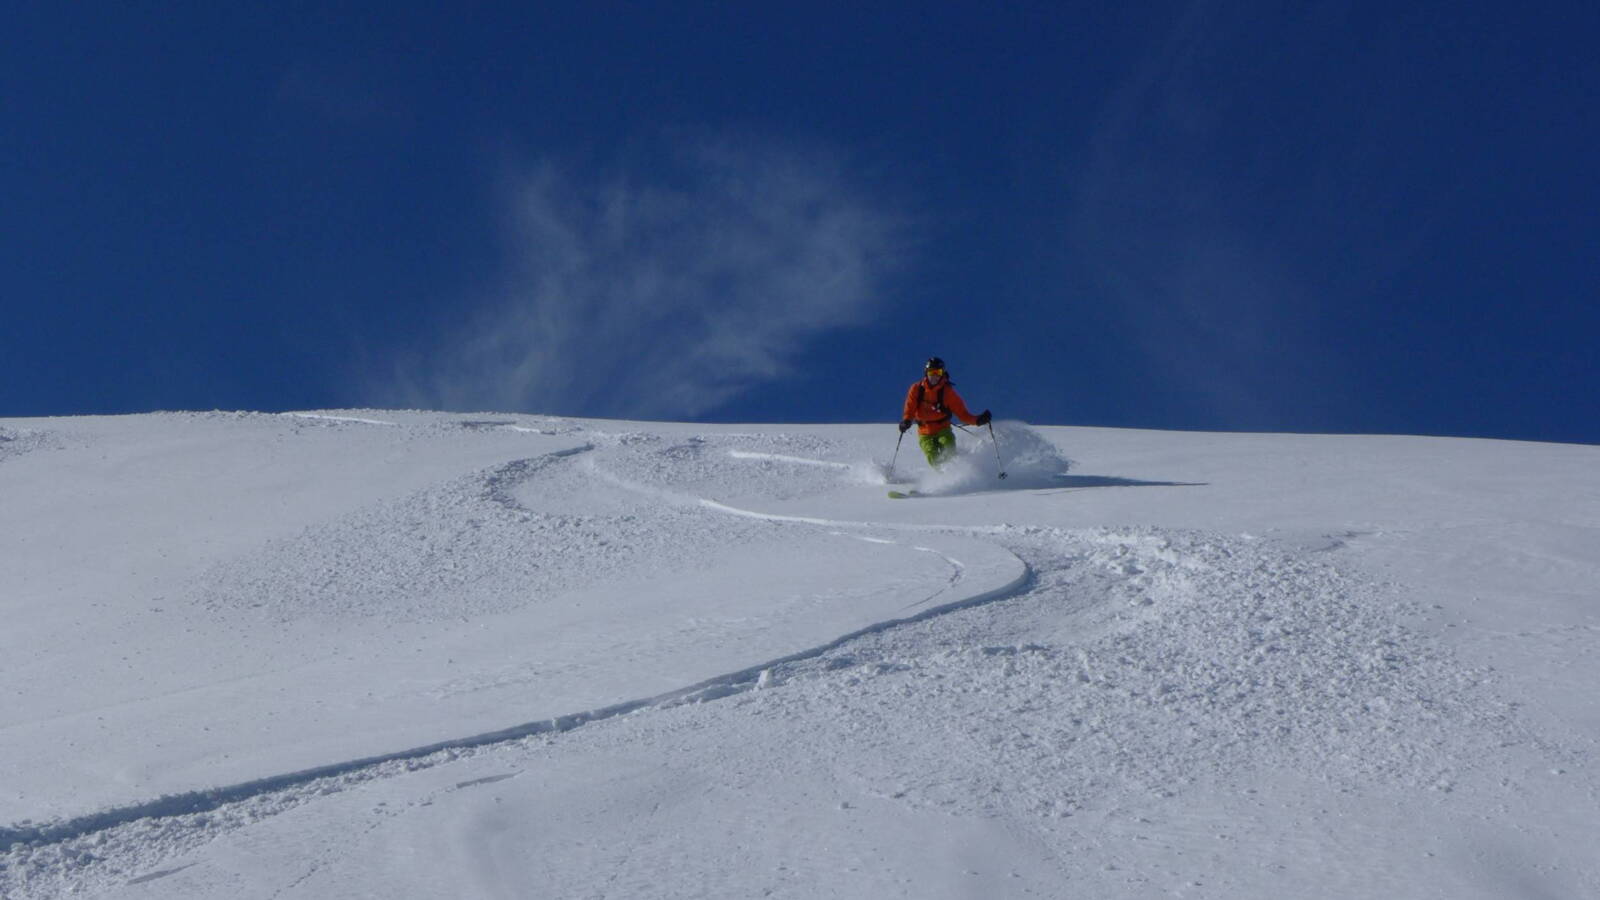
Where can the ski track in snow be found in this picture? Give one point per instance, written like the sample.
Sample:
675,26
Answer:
15,442
348,549
1138,660
327,418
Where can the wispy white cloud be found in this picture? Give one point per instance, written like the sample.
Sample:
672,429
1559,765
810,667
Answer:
663,293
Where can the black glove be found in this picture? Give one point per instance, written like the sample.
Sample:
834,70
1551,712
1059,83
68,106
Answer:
905,425
984,417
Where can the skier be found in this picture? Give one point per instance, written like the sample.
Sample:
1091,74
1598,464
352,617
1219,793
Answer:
931,403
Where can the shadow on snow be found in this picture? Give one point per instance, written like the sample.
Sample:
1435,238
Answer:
1079,482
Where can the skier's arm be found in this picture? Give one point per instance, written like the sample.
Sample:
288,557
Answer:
958,407
910,412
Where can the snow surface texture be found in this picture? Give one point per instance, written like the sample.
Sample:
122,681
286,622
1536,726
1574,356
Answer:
421,655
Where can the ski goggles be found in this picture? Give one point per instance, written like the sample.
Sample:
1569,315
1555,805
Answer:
935,373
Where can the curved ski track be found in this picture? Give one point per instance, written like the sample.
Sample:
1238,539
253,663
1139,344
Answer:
498,484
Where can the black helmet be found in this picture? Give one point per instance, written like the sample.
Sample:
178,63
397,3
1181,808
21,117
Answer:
934,362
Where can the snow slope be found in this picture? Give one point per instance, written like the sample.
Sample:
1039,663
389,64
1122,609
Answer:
416,654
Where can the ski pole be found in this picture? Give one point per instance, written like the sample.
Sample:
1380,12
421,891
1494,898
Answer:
896,457
997,461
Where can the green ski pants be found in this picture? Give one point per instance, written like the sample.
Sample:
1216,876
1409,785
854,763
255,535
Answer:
939,446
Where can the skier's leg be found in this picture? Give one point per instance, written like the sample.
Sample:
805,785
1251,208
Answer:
938,447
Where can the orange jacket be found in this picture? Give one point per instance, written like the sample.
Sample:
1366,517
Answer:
932,410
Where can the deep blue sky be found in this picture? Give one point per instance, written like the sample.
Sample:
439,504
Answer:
1351,217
